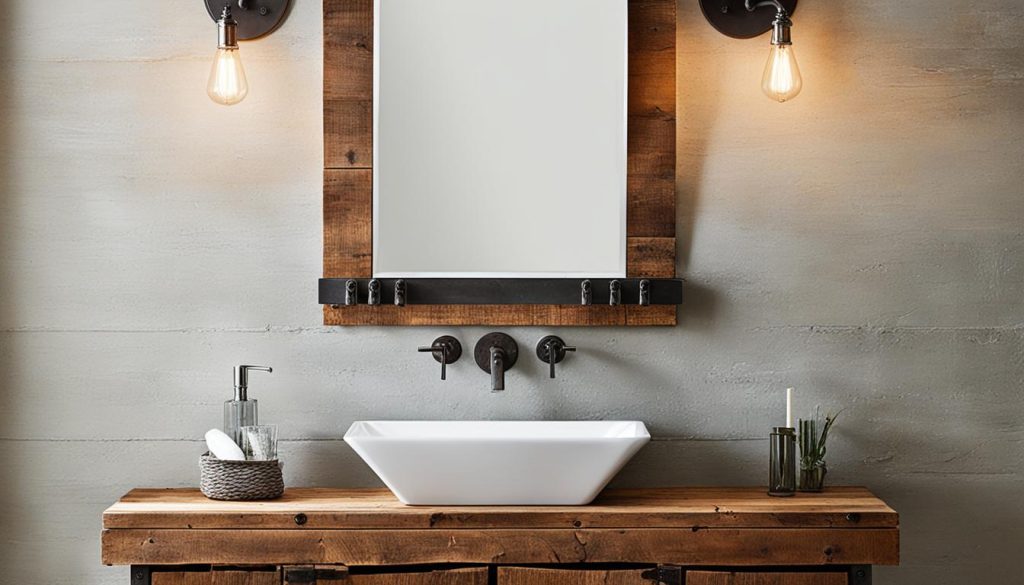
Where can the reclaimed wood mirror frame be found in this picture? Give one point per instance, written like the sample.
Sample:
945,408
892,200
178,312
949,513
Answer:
348,175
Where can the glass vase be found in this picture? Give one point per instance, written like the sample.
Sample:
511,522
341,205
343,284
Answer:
812,479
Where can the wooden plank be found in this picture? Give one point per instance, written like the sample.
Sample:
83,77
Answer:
530,576
348,83
348,134
472,576
650,183
348,49
653,315
348,233
723,578
684,507
651,257
684,546
502,315
216,578
651,135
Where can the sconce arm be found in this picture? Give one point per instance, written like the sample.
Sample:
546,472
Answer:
753,5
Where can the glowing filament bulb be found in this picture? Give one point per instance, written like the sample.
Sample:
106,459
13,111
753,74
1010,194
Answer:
781,79
227,84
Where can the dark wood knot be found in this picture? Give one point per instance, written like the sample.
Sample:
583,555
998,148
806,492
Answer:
300,519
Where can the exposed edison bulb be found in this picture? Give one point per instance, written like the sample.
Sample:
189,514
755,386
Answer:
227,83
781,80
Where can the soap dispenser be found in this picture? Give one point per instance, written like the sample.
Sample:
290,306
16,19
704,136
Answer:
240,411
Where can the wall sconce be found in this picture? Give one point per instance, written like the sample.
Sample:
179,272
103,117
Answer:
742,19
227,84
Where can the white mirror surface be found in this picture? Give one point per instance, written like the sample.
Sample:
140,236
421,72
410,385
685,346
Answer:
500,138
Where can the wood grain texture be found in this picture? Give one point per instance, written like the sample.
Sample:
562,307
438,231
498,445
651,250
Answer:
651,257
348,143
724,578
473,576
255,577
348,134
686,546
507,315
348,83
348,233
530,576
682,507
651,138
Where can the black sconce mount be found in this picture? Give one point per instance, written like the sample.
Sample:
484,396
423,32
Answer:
740,19
255,18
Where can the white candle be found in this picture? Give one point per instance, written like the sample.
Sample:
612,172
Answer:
789,408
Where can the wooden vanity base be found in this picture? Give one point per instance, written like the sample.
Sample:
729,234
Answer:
712,536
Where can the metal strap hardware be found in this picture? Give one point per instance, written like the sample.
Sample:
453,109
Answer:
667,574
308,575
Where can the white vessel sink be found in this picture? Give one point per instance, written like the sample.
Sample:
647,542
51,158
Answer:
496,462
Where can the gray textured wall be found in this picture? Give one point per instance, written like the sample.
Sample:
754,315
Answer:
864,243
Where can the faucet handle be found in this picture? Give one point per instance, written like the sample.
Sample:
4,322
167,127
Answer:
551,349
445,349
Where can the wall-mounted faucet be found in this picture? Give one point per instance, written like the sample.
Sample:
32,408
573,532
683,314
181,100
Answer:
551,349
445,349
496,353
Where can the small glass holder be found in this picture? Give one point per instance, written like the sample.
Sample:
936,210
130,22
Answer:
812,467
260,442
782,465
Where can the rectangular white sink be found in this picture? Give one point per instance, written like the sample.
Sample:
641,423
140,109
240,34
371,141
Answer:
496,462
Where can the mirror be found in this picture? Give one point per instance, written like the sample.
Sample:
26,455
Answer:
499,138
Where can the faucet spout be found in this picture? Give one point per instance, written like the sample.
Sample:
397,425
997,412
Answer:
497,369
495,353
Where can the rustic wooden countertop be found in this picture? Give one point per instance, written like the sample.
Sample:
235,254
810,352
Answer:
685,525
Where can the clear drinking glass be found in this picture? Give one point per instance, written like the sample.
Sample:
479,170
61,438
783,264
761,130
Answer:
260,442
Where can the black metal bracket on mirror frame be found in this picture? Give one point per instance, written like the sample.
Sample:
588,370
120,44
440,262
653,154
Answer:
740,19
502,291
445,349
255,18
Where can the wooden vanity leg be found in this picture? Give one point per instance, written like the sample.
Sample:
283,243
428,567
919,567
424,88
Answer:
859,575
141,575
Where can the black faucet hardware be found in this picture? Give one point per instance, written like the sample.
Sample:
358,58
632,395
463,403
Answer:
614,293
645,292
351,292
551,349
586,292
496,353
400,293
374,290
445,349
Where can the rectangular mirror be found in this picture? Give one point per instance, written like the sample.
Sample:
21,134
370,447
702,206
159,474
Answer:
499,138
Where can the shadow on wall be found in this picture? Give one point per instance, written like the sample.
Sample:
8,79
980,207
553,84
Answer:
9,120
692,139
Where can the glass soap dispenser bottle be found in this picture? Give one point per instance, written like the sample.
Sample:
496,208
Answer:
240,411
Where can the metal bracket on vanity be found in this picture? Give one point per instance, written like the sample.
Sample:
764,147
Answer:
665,574
859,575
308,575
501,291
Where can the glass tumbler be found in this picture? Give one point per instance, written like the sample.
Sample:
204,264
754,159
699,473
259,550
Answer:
260,442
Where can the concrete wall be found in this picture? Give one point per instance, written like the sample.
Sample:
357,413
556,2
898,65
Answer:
863,243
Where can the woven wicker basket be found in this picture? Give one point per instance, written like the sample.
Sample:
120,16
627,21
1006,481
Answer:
240,480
